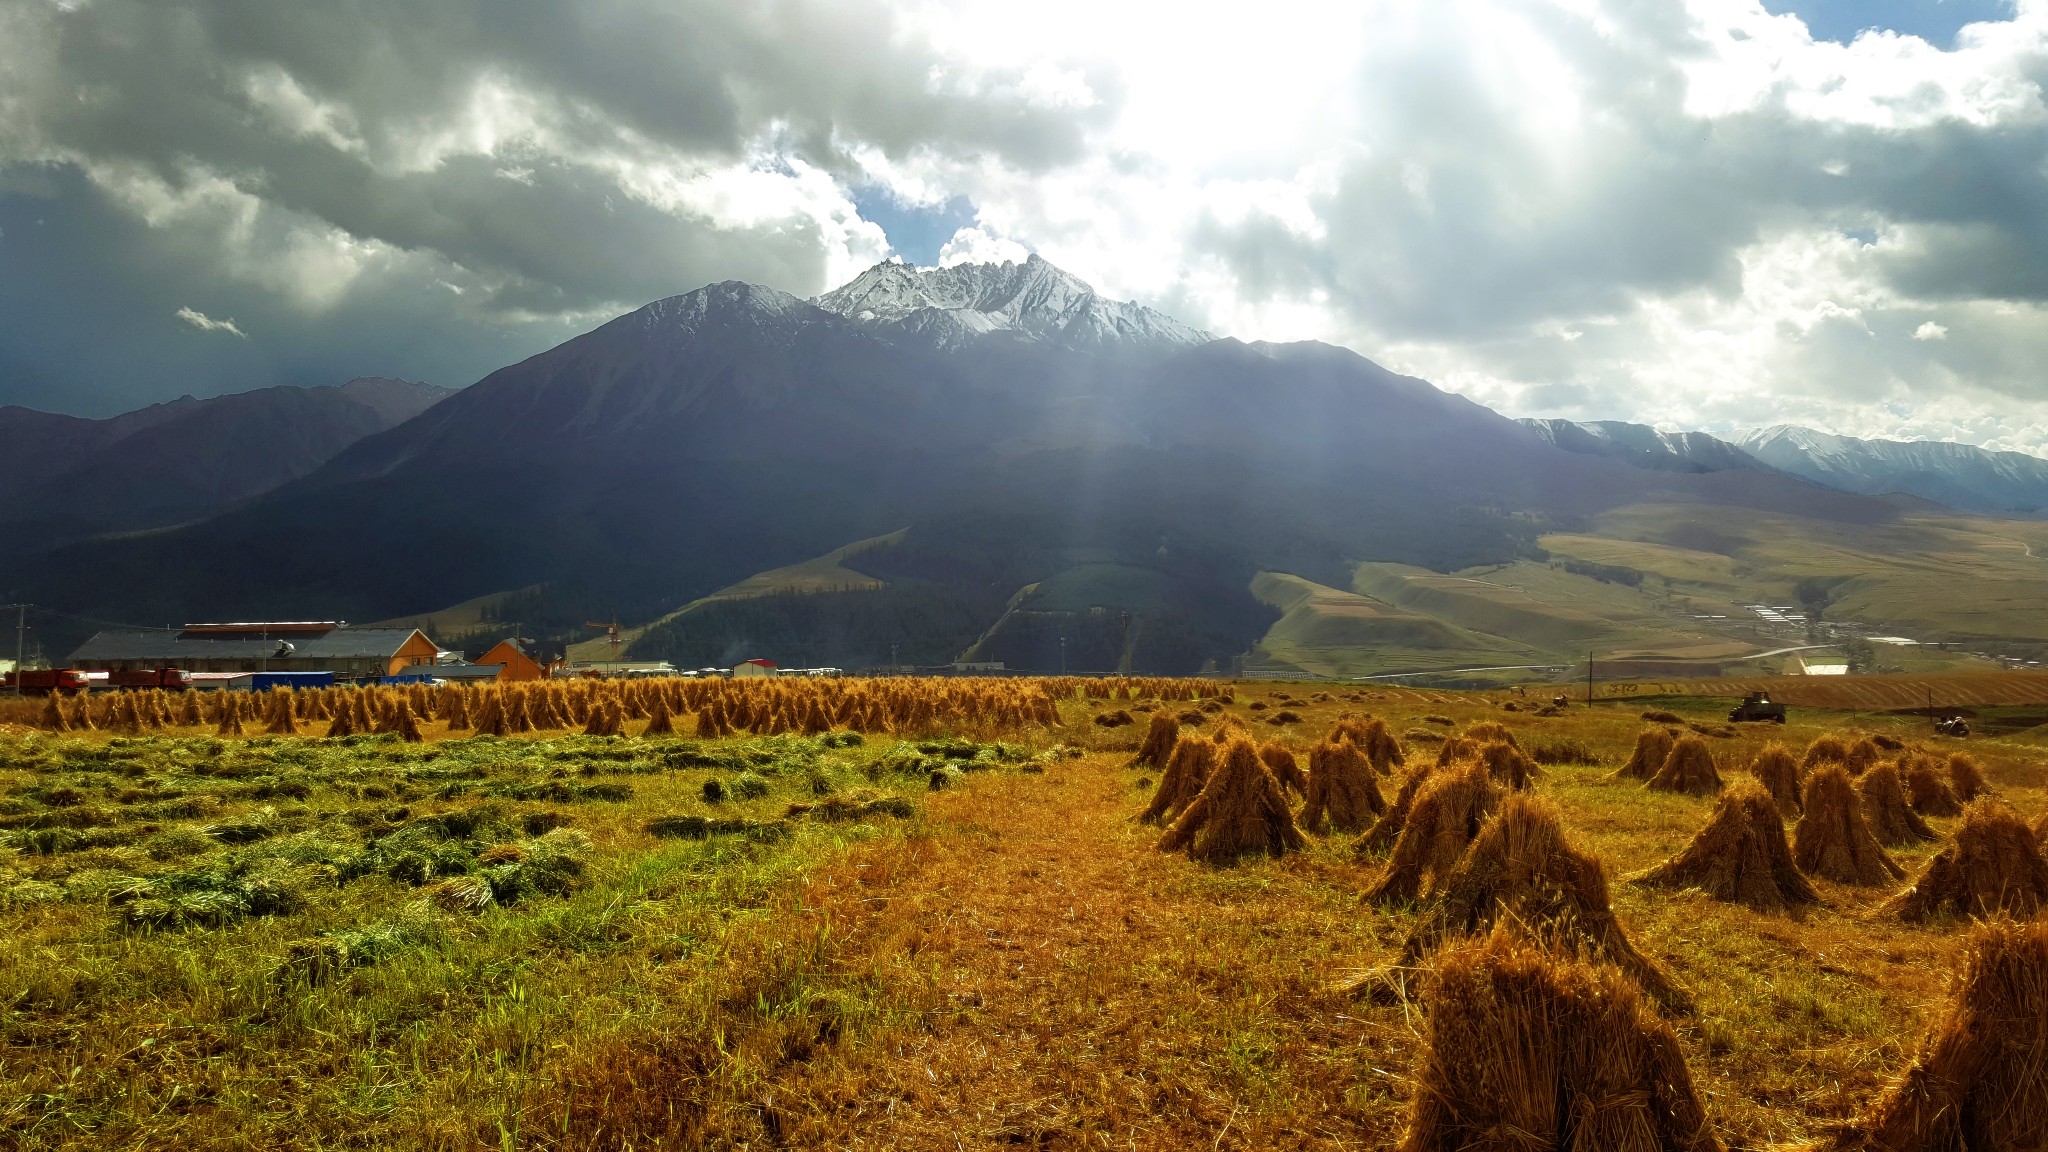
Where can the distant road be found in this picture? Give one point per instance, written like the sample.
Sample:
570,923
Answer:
1454,671
1782,651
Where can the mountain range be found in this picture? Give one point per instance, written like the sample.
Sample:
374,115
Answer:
989,462
1960,476
172,463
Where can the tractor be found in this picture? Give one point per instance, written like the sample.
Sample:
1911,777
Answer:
1758,706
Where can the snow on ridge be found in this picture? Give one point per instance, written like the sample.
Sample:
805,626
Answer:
1034,299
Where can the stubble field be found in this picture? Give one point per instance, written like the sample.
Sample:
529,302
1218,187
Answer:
947,931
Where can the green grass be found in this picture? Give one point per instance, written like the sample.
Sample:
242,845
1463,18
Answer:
285,942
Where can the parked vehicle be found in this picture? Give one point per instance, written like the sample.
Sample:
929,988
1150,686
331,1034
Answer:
142,679
1758,706
43,681
265,681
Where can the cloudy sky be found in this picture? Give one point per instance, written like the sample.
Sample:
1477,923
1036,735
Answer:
1693,213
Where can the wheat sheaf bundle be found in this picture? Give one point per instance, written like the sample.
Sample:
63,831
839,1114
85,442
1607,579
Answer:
1994,865
1527,1049
1521,870
1240,810
1688,769
1778,772
1187,770
1448,810
1653,747
1343,788
1980,1081
1741,856
1832,839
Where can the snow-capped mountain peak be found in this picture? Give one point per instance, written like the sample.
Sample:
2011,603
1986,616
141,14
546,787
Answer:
1033,300
1959,475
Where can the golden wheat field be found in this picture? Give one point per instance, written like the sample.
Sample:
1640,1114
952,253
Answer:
1053,913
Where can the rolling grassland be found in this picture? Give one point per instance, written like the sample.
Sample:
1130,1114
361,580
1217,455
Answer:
926,914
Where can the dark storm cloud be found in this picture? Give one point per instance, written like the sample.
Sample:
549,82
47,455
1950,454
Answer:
489,162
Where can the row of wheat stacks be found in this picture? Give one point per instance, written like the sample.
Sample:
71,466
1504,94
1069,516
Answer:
651,707
1547,1027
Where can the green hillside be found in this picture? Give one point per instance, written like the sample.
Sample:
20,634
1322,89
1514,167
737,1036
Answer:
1326,631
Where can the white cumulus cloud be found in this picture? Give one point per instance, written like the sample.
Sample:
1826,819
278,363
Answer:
205,323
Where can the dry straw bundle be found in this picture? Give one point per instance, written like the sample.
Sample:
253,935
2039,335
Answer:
1891,819
1993,866
1374,738
1824,750
1775,769
1159,741
1966,777
1688,769
1862,755
1484,731
1282,764
1520,870
1387,829
1342,788
230,715
1927,786
1447,813
1526,1049
1980,1081
1186,771
1832,840
1240,809
281,722
404,723
1653,747
490,715
1509,766
1741,856
659,721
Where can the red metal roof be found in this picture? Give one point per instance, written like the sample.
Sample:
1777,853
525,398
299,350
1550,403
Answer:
272,628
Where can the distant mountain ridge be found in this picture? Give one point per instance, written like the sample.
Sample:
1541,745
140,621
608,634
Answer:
1959,475
186,459
1644,446
1033,300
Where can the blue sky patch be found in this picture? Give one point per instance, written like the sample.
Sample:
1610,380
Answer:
1935,21
915,231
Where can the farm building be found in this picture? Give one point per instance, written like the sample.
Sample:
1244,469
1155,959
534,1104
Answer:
287,646
755,668
1824,666
516,660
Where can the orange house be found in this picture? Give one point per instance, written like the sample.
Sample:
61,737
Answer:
513,662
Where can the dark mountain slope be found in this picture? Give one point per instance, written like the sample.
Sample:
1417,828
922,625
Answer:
184,460
1049,486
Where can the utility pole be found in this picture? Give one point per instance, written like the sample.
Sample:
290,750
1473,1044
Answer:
1589,677
20,630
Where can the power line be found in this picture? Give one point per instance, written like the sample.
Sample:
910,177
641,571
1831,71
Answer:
48,611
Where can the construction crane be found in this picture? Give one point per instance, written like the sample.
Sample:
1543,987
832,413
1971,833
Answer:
611,630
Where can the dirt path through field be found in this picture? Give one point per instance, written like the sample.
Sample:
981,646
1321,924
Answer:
1065,986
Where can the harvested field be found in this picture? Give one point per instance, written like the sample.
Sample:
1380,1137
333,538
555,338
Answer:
549,940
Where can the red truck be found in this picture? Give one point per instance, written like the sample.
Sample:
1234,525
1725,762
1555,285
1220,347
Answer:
43,681
168,679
